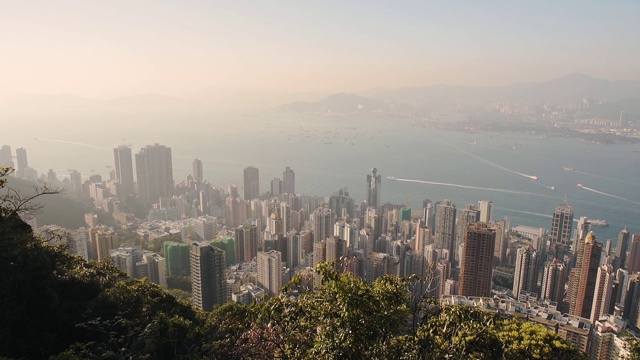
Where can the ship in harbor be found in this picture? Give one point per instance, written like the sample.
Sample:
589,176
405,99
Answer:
391,177
566,168
596,222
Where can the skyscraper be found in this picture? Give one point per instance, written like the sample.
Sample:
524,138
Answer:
177,256
428,214
246,242
124,168
276,186
525,276
485,210
373,189
633,265
602,292
621,249
208,282
269,271
154,170
465,216
288,181
5,156
251,183
23,164
445,226
477,260
561,226
553,282
198,173
588,274
322,222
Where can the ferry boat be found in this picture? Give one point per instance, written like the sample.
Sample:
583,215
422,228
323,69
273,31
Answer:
566,168
391,177
597,222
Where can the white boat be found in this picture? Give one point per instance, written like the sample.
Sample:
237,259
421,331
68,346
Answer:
597,222
391,177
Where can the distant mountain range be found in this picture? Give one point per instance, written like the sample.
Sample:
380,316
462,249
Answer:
620,95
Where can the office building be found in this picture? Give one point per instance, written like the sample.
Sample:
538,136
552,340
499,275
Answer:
374,182
633,265
342,204
269,271
208,280
251,183
6,159
477,260
124,169
561,225
620,260
428,214
485,210
154,169
525,276
288,181
23,164
198,171
276,186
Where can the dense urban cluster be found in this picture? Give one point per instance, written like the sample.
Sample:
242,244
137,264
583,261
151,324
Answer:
217,246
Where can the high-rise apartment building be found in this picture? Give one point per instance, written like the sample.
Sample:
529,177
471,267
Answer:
198,171
633,265
124,169
154,170
477,260
428,214
445,226
208,280
465,216
322,222
561,226
246,242
555,273
288,181
251,183
269,271
525,276
101,240
374,182
602,292
588,275
276,186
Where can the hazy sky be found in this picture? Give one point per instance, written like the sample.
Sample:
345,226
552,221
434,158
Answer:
110,48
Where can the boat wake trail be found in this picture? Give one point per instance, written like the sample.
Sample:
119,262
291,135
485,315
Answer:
529,213
470,187
532,177
607,194
604,177
77,143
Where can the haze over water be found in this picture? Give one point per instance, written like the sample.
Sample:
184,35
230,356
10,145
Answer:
331,152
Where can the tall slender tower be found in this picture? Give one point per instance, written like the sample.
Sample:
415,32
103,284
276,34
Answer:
485,210
208,281
477,260
5,156
621,249
602,292
373,189
288,181
526,271
445,226
588,274
251,183
428,214
124,168
198,173
553,283
23,164
154,170
561,226
322,222
465,216
633,265
269,271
